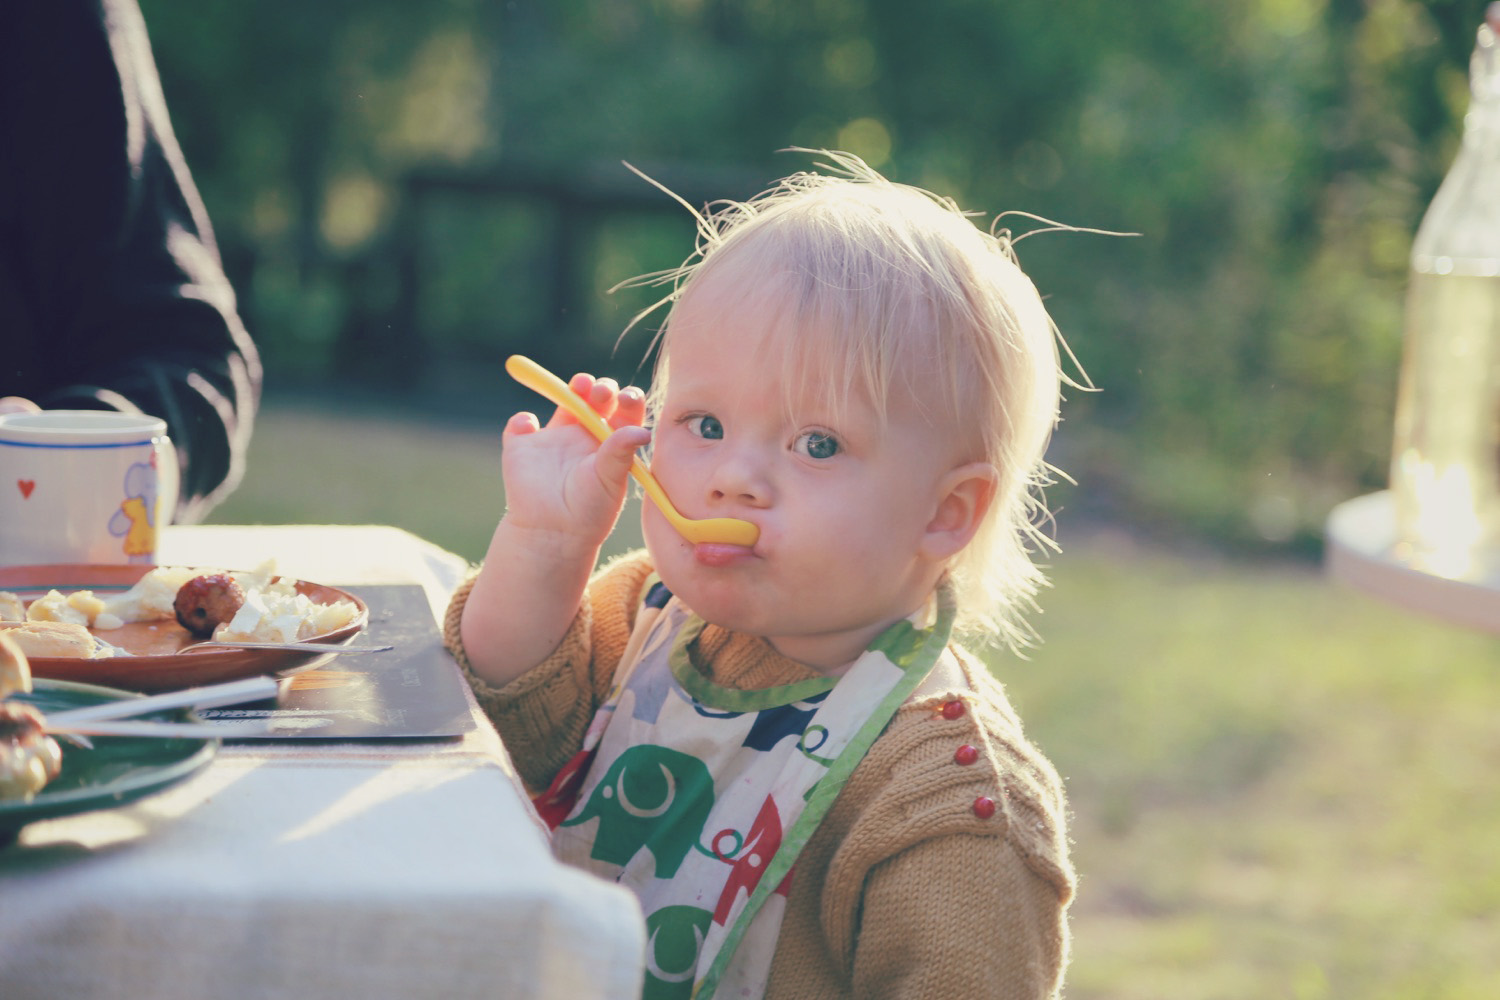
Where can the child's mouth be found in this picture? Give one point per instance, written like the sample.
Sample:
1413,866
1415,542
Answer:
720,554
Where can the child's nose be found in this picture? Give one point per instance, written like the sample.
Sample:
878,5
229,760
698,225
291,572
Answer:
740,477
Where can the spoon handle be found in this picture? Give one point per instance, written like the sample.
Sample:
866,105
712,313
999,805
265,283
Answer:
167,730
533,376
302,647
726,530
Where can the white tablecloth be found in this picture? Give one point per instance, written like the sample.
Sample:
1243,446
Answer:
311,870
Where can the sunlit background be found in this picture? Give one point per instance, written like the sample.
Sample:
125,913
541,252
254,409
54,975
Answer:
405,192
1282,788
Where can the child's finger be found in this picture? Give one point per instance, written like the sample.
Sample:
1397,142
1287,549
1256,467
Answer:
604,396
599,393
522,423
618,451
630,408
582,383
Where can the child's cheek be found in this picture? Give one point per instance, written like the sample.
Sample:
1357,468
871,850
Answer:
662,540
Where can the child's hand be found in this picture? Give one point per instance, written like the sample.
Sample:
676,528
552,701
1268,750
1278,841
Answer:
560,482
563,494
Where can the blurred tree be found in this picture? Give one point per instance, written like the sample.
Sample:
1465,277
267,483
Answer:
301,119
1274,157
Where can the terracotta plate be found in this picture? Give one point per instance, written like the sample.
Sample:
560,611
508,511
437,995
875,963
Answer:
153,667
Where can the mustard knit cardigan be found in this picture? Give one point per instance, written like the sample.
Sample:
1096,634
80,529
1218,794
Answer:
942,870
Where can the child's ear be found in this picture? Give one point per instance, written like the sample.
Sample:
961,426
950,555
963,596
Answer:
964,497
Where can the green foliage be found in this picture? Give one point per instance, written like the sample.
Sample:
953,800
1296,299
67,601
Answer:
1274,158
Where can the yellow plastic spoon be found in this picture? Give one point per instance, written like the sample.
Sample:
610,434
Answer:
726,530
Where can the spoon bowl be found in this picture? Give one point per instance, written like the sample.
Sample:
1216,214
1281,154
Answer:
723,530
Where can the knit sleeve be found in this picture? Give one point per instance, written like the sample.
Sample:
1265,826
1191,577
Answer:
942,869
543,714
959,916
956,872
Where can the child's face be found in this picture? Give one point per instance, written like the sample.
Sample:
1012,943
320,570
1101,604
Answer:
844,504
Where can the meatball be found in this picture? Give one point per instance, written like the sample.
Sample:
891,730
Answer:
206,602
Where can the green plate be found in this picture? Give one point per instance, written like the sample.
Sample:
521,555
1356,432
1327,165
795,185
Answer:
117,770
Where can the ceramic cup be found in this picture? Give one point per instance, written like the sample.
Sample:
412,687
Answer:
84,486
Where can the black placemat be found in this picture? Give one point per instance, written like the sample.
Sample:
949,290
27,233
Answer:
413,691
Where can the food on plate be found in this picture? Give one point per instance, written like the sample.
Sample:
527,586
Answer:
255,606
154,595
62,639
11,607
152,598
29,758
82,607
283,615
206,602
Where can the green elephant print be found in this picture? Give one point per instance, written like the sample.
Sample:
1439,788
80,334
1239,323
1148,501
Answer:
674,939
652,797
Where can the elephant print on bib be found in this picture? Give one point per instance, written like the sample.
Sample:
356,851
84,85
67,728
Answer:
652,797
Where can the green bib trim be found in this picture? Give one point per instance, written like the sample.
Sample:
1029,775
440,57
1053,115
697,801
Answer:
913,650
732,699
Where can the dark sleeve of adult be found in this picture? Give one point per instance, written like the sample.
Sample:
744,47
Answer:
112,294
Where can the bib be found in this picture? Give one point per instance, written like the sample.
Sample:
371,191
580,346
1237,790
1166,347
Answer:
699,798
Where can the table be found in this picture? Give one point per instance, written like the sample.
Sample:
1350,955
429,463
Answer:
1361,540
316,869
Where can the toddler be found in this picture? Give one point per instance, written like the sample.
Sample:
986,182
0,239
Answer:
782,749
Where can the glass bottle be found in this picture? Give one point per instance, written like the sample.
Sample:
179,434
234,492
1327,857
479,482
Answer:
1445,469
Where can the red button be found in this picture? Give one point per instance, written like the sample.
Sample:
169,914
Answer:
984,807
965,755
953,709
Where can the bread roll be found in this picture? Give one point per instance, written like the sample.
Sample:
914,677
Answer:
15,672
51,639
12,609
29,758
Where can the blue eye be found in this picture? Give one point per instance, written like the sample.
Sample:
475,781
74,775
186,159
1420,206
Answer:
706,427
816,444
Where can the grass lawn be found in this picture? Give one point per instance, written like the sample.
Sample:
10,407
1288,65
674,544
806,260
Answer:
1281,788
359,466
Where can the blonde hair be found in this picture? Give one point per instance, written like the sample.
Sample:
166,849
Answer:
898,289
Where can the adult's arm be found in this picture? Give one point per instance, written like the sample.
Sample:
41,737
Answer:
112,293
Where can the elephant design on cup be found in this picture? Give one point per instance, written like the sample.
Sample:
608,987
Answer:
653,797
136,520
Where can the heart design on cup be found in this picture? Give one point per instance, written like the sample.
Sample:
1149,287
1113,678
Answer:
27,485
